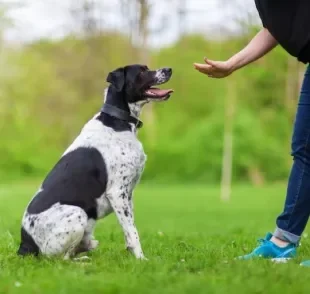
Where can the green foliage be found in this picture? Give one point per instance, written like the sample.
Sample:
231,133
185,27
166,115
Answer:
191,126
48,90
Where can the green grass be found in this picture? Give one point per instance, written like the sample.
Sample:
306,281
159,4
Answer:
188,234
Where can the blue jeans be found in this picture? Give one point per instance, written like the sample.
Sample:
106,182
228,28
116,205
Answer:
293,220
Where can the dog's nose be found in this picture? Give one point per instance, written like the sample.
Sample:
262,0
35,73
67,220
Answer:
167,70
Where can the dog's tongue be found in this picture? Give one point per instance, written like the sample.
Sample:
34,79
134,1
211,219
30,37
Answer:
159,92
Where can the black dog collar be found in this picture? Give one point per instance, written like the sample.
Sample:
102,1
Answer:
121,114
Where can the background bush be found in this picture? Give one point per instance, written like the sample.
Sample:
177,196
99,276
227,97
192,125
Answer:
49,89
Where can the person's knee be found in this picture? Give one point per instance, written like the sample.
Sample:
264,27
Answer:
300,150
297,149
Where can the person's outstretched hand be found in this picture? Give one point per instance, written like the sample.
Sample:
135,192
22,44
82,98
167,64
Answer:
214,69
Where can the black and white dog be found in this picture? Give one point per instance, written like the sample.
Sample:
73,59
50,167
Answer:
97,174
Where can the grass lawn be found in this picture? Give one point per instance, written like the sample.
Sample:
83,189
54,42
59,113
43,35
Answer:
189,236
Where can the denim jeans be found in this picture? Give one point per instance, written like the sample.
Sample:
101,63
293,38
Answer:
293,220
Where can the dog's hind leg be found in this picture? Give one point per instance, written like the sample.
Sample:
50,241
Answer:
67,233
88,242
27,245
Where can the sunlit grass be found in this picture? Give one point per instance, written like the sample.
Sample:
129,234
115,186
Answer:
188,234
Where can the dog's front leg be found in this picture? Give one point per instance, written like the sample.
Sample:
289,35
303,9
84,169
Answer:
123,210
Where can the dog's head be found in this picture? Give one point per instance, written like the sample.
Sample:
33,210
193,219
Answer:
137,83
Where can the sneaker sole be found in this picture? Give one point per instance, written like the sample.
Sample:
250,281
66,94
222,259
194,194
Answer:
281,260
302,265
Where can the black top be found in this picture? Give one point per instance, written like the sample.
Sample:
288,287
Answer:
289,23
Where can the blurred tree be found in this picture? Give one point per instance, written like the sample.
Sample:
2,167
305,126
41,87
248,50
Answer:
86,22
137,14
229,115
244,20
5,21
143,31
49,88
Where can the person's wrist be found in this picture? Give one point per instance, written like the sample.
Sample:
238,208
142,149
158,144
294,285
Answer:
231,65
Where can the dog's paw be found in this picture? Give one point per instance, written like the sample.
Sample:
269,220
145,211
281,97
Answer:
87,246
137,253
93,244
142,257
82,259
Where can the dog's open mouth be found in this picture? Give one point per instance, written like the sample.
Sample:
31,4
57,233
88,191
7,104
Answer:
156,93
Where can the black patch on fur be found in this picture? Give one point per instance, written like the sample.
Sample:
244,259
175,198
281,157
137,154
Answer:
92,213
127,85
27,245
114,123
118,100
78,179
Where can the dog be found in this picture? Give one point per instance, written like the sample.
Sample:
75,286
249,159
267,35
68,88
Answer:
97,174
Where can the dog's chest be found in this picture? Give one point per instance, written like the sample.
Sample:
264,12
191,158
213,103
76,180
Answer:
121,151
125,163
124,158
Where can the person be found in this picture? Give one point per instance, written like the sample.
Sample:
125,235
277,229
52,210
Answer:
287,24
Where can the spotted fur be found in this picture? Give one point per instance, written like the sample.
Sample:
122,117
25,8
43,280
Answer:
95,176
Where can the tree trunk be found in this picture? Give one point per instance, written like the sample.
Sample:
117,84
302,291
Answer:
148,113
228,140
293,84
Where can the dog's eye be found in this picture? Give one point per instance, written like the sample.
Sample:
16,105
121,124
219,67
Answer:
142,73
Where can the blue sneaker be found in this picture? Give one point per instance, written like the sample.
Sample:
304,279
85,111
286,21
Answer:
269,250
306,263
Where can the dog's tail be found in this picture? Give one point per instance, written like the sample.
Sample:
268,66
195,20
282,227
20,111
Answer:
27,245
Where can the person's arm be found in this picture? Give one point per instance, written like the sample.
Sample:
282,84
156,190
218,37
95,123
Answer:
260,45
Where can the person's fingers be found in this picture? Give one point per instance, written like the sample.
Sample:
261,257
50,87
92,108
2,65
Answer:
205,72
210,62
208,70
205,67
202,71
200,65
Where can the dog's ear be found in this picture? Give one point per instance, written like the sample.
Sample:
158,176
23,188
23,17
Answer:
117,78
